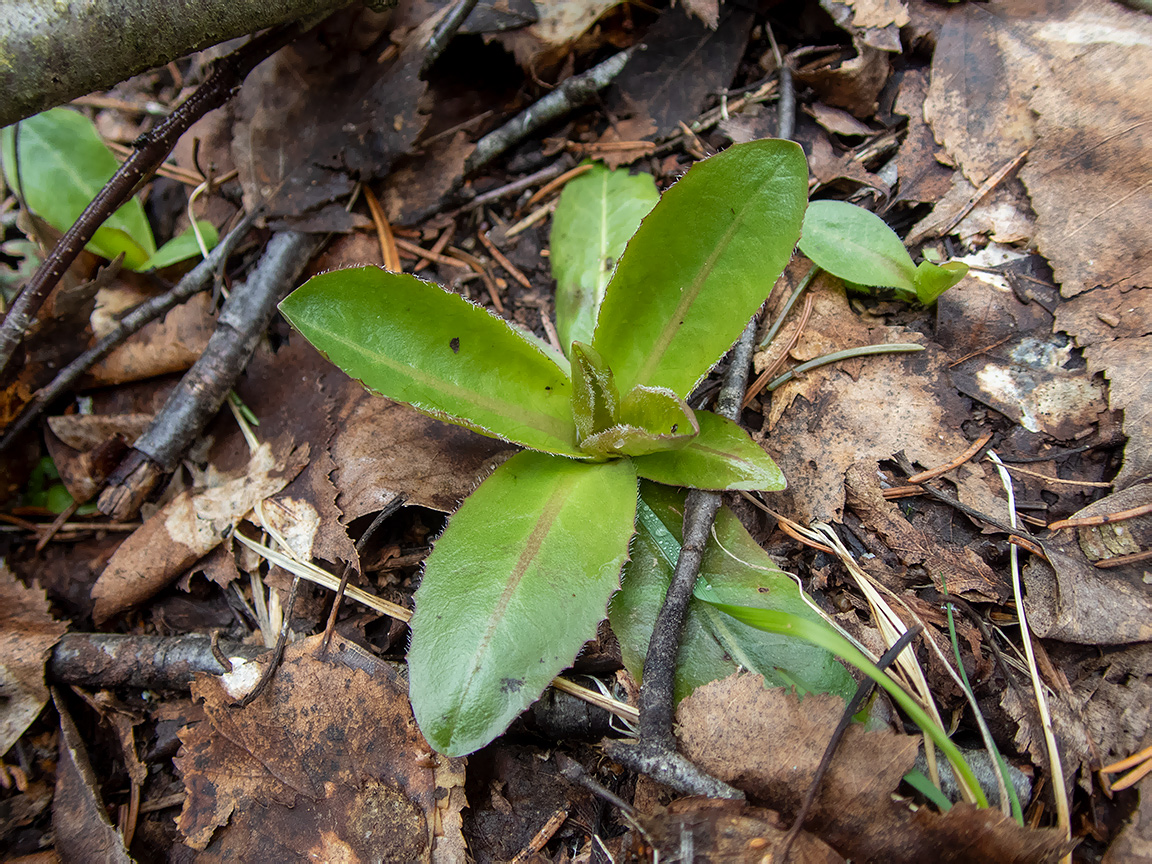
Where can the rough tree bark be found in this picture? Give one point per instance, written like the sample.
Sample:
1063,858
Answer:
52,52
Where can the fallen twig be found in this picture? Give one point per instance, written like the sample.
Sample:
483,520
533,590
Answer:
445,30
194,281
227,74
243,319
103,661
569,96
655,751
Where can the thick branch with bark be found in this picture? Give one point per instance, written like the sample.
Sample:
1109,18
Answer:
52,52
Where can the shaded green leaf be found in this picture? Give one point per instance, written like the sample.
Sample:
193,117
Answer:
183,246
856,245
932,280
722,456
714,645
415,342
597,214
62,165
512,590
595,402
700,265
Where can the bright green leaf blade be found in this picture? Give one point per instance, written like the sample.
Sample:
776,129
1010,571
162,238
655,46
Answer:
183,246
595,402
414,342
932,280
700,264
63,164
597,214
652,420
722,456
714,646
658,410
856,245
512,590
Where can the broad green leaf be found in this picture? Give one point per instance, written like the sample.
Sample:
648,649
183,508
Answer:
63,164
658,410
183,246
700,265
651,420
856,245
595,402
414,342
722,456
512,590
597,214
713,645
932,280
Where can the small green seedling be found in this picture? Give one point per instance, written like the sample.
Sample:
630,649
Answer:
524,571
62,165
857,246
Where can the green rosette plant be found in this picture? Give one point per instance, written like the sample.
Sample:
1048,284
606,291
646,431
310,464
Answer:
857,246
524,570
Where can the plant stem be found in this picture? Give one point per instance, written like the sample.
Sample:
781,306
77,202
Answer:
444,33
847,354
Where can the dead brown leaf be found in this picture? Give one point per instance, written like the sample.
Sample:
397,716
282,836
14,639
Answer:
768,743
79,819
1070,600
382,449
718,830
86,431
922,176
1127,364
327,765
684,65
326,111
1065,79
169,344
187,528
852,82
957,570
820,425
419,184
27,633
1104,314
560,23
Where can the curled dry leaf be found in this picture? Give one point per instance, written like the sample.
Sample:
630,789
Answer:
79,818
27,634
187,528
769,742
1071,600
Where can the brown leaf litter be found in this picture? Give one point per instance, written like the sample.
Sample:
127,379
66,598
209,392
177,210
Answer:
768,743
326,765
